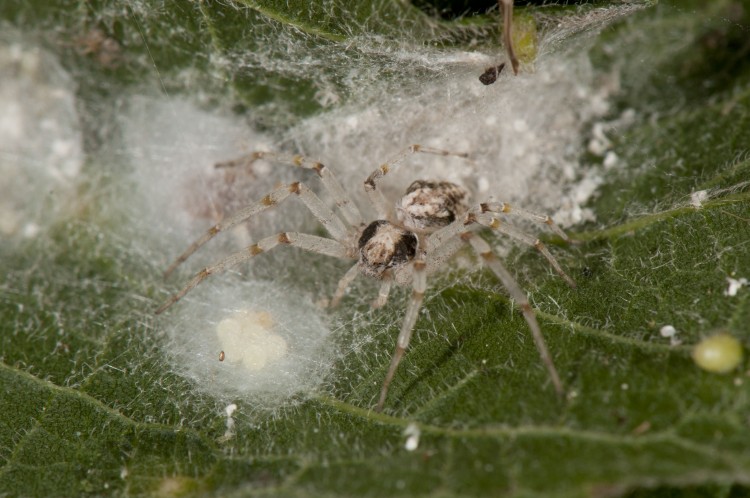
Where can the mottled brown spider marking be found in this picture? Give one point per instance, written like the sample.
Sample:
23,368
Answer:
383,246
428,204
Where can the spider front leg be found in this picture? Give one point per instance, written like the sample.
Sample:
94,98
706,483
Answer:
324,215
303,241
419,286
330,182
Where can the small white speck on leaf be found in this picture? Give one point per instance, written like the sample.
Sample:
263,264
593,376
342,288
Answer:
229,410
698,197
668,331
412,434
734,285
610,159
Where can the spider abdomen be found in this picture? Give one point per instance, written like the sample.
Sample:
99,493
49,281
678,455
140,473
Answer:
383,246
429,205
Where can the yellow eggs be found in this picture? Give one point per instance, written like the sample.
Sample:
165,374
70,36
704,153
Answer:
720,353
248,339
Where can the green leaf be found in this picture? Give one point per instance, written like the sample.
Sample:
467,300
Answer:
92,403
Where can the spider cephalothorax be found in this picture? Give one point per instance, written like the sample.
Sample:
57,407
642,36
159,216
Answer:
432,223
384,246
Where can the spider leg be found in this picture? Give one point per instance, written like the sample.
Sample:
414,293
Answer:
506,6
381,205
325,216
343,201
344,284
477,215
383,293
442,253
495,224
348,278
304,241
419,285
437,240
514,289
505,208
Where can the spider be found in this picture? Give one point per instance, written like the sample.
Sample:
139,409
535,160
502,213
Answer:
433,221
